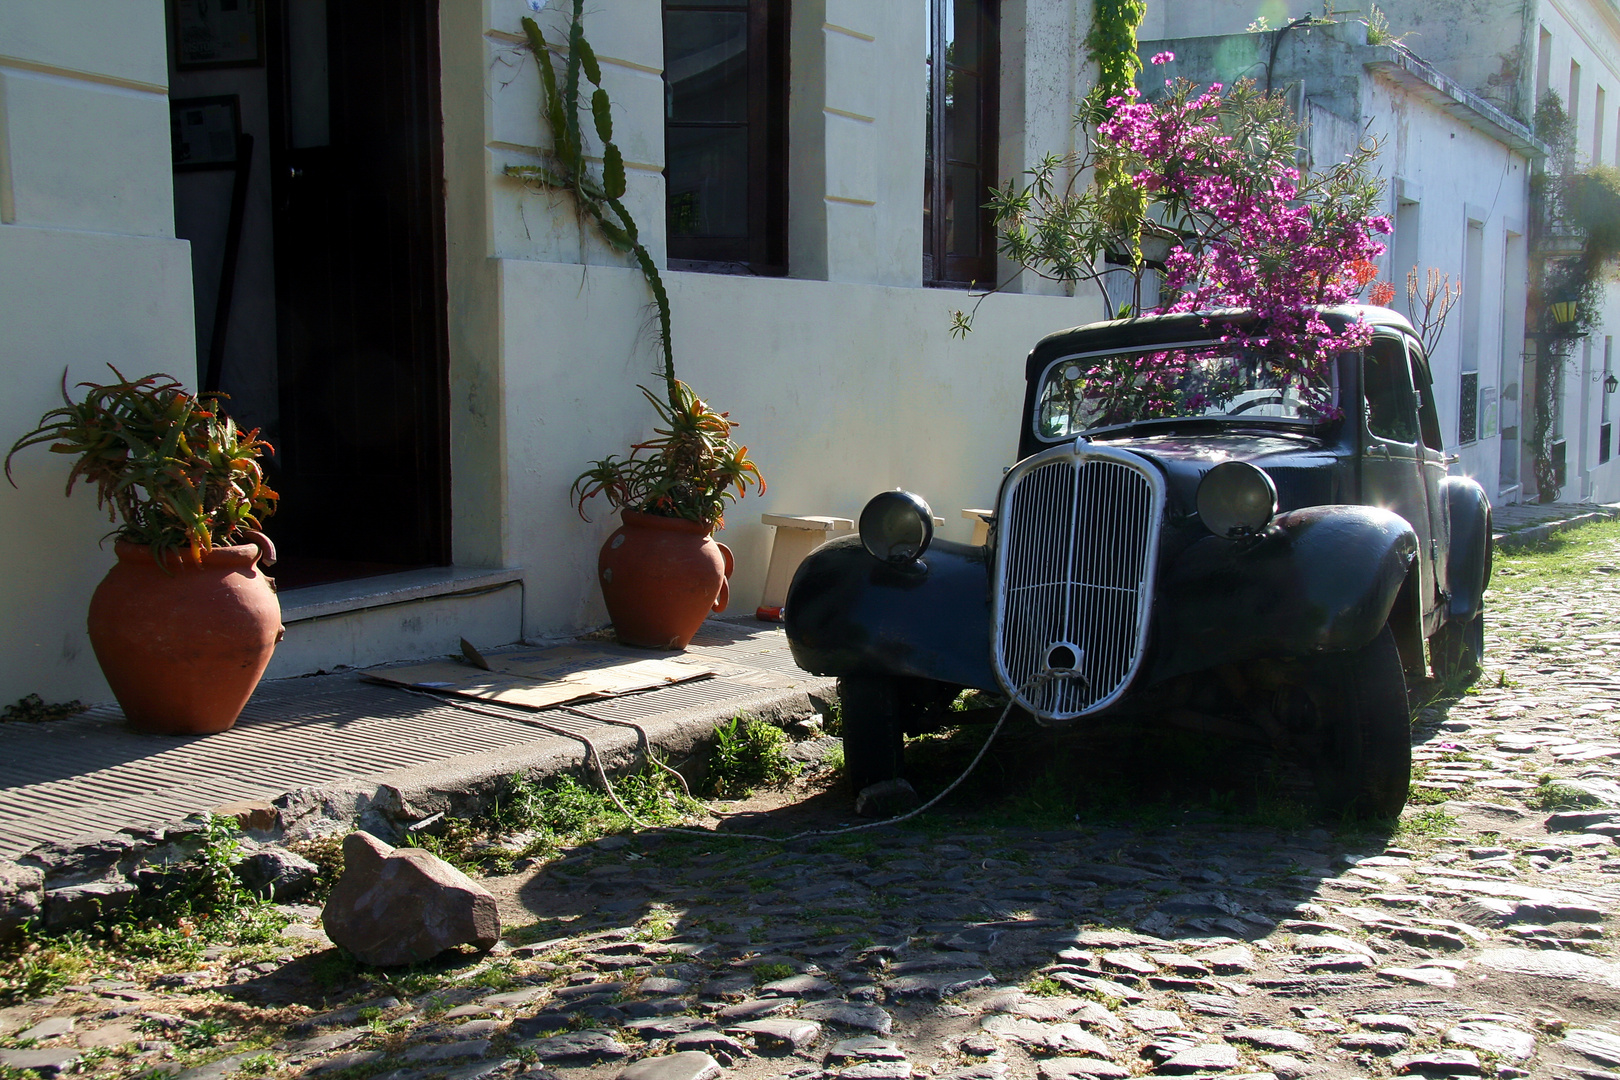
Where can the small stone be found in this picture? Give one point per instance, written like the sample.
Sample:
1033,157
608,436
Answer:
984,1070
843,1014
344,1061
22,897
1218,1057
1600,1046
662,1027
687,1065
80,905
878,1070
1129,962
889,798
48,1028
45,1062
109,1036
578,1046
657,985
1273,1039
721,1046
1494,1038
255,814
451,1051
1382,1043
866,1048
1386,1022
754,1008
780,1034
1437,977
1284,1067
1153,1021
1553,965
1443,1063
939,985
1338,962
275,873
1061,1038
1073,1068
799,986
1232,960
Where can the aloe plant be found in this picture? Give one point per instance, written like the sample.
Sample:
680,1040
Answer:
169,465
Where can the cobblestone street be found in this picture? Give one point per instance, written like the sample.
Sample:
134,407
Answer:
1477,940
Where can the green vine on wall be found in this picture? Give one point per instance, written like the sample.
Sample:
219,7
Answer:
1111,45
598,195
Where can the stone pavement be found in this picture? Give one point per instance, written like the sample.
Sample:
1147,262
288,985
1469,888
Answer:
330,741
1475,941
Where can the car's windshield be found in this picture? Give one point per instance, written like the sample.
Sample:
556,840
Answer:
1198,380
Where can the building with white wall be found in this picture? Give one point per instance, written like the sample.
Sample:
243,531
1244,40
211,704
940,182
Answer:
436,350
1507,54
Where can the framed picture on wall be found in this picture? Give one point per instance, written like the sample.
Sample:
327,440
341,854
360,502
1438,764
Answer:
204,132
217,33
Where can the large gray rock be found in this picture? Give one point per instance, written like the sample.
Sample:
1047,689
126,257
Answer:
403,906
22,898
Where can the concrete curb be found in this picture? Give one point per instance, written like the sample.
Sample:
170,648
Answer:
465,785
1535,534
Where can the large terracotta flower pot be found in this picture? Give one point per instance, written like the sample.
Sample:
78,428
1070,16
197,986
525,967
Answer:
661,577
184,644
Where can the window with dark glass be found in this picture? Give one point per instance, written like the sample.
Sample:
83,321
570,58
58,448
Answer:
961,61
725,133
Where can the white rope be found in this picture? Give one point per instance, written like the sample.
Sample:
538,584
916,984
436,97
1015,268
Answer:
593,757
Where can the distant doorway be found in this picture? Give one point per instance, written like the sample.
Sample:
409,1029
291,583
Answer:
320,282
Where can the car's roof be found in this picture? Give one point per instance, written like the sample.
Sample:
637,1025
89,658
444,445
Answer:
1150,330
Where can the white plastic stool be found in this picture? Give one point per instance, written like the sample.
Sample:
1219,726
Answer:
796,536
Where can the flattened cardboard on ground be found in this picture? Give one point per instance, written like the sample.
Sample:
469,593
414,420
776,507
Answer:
542,678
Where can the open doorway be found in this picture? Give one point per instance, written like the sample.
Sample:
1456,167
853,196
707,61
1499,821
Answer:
309,179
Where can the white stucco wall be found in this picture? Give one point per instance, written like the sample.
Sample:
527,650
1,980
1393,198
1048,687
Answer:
92,275
1587,33
843,375
1456,174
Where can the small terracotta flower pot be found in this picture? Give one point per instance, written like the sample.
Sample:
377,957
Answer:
661,577
183,645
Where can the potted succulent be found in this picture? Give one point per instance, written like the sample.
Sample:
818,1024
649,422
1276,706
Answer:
184,623
662,572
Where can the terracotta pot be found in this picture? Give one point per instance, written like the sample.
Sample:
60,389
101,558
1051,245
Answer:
184,649
661,577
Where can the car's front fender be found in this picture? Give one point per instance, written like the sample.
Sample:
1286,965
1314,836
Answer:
1321,579
849,614
1468,567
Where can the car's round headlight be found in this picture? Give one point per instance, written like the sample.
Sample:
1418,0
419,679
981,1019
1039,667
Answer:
1236,499
897,526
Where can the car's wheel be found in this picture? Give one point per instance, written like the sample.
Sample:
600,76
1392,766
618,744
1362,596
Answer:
1457,650
874,743
1359,734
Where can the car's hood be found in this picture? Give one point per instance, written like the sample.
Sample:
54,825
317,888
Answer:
1302,466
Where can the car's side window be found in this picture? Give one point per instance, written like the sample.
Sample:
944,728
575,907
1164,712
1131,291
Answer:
1428,416
1387,384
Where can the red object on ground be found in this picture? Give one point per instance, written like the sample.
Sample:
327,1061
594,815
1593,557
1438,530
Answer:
183,645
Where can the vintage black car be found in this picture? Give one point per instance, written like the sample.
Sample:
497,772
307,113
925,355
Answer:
1273,555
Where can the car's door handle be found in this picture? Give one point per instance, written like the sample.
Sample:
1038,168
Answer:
1378,451
1450,459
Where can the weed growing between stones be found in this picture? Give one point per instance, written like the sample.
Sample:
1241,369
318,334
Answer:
1425,824
531,819
1553,796
748,753
182,911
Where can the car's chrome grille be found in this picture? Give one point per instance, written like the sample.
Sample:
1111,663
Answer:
1077,542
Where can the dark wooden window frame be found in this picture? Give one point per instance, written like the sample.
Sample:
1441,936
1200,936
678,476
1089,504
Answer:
764,250
940,267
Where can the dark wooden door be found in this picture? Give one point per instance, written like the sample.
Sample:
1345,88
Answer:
363,465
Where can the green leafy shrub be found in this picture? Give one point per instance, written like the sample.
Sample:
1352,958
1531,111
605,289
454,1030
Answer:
748,752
